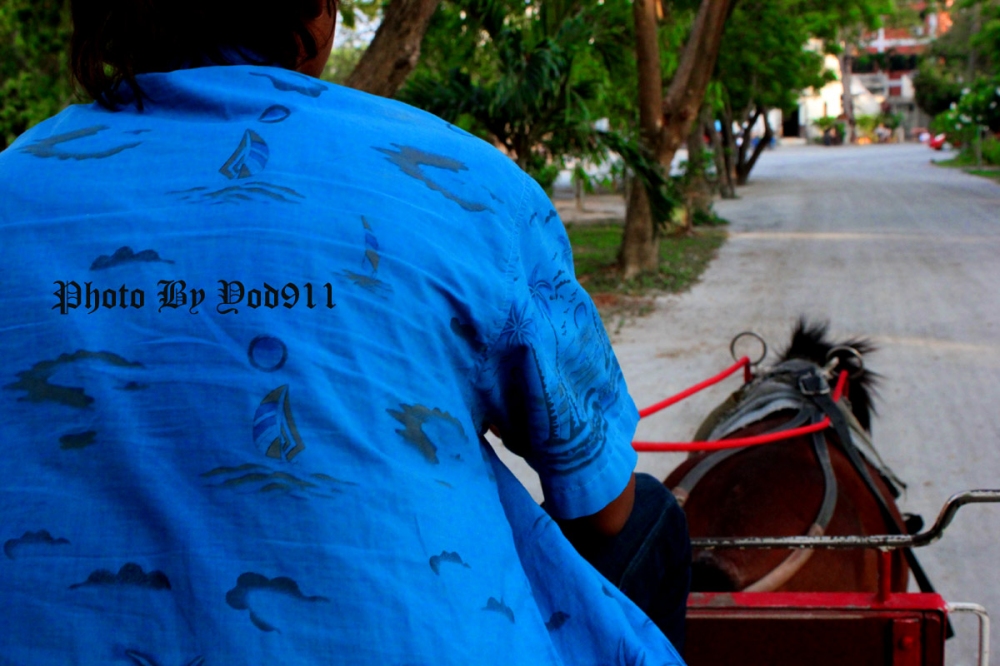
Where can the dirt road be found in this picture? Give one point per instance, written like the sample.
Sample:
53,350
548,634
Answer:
880,243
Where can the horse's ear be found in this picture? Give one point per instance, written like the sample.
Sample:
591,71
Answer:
808,342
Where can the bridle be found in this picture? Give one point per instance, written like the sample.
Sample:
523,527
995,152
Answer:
803,388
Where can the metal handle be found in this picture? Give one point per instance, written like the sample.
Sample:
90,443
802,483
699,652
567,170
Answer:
883,541
984,628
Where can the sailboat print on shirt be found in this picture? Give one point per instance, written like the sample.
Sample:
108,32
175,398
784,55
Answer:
274,430
249,158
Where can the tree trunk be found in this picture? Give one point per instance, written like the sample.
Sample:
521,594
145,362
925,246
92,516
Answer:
394,51
972,64
698,195
665,122
745,166
729,144
687,88
640,243
726,188
747,123
846,62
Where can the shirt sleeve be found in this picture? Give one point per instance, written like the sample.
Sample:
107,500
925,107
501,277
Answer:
555,389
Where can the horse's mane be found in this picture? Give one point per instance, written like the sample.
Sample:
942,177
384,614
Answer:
810,343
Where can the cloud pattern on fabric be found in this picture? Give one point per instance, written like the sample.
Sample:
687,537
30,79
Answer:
411,161
413,418
46,148
557,620
131,574
303,85
13,548
125,255
240,597
35,382
495,606
445,557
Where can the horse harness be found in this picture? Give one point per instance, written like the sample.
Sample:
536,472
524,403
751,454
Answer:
801,387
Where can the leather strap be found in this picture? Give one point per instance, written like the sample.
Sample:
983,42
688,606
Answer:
843,431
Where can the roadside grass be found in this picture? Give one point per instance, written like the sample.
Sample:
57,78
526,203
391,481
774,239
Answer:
967,163
960,160
682,261
992,174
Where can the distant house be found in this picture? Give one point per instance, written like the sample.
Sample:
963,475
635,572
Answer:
883,74
828,101
889,64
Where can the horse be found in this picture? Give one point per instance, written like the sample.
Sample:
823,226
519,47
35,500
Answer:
806,485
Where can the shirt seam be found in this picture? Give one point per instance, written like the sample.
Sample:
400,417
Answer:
508,297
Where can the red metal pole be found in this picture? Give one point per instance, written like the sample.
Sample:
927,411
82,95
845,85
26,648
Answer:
884,576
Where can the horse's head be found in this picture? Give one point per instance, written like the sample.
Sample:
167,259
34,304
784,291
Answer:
810,343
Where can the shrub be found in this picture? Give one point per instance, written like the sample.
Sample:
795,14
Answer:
991,150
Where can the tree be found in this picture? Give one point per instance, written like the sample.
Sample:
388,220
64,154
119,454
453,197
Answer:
530,83
665,119
35,80
967,53
533,79
767,72
840,25
395,50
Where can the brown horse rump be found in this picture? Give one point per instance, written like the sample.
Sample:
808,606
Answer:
806,485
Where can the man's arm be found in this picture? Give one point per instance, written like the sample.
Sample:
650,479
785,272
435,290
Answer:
607,522
610,520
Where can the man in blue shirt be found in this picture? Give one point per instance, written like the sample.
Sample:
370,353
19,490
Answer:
255,328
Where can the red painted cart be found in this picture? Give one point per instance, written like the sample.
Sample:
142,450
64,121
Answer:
828,628
819,628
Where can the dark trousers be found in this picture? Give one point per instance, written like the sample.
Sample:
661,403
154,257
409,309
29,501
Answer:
650,559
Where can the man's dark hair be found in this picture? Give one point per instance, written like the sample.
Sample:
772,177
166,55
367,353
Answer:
115,40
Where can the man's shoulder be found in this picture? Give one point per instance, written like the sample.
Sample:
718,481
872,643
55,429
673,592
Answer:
423,135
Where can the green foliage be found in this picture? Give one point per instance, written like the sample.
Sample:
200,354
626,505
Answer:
978,107
353,14
980,103
35,80
991,151
342,62
866,124
763,61
936,87
825,123
944,71
987,39
891,120
533,78
838,21
356,26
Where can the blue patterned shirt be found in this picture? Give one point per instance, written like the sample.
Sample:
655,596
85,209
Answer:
252,336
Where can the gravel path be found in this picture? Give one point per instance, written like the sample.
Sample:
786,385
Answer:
883,244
